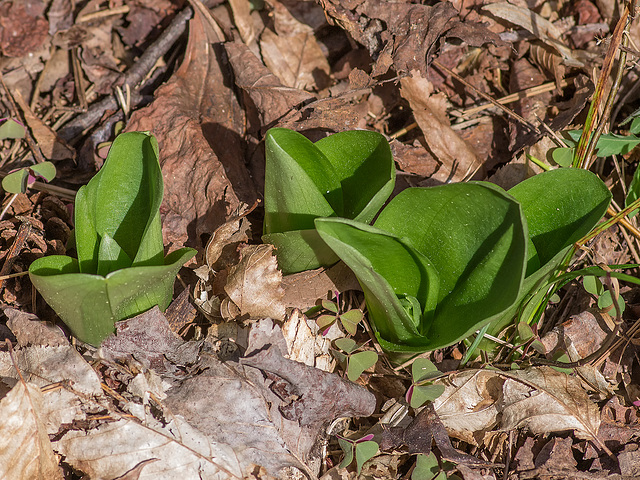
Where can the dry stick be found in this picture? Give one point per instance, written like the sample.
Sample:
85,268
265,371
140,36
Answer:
14,251
33,146
589,137
488,98
133,76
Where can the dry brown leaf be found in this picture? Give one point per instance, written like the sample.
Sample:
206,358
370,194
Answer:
51,145
304,288
292,53
199,126
30,330
542,28
459,161
242,18
254,284
113,449
25,449
271,98
540,399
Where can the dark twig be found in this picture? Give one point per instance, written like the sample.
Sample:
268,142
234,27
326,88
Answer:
132,78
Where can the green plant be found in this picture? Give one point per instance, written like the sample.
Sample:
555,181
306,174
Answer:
356,362
349,174
422,388
18,181
439,263
349,319
9,128
362,450
121,269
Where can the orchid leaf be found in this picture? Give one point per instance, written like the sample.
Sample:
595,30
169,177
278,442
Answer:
458,249
348,174
121,270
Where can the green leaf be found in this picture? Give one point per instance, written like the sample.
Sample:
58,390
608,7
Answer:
363,164
347,345
612,144
421,368
91,304
121,270
385,266
525,332
346,174
364,451
351,319
561,206
123,201
359,362
563,156
329,305
474,235
11,129
426,468
425,393
325,321
635,126
634,192
347,447
45,170
16,182
593,285
605,301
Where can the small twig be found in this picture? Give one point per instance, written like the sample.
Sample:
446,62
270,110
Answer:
14,251
132,78
488,98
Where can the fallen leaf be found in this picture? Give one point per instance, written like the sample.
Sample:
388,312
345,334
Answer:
459,161
113,449
539,399
25,449
199,126
542,28
305,344
23,29
242,18
424,430
254,284
149,339
51,145
271,98
30,330
302,290
292,53
403,34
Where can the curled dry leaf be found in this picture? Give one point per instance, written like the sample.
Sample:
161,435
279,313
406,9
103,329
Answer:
542,28
270,96
293,53
540,399
25,449
254,284
199,126
113,449
459,161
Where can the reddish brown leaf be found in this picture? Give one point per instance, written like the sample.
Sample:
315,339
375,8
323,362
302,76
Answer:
269,95
199,126
22,28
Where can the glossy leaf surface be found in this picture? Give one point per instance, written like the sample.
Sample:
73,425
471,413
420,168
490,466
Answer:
349,174
457,252
121,270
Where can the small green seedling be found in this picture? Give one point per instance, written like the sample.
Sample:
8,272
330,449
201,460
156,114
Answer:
594,286
440,263
529,337
608,144
18,181
362,450
428,468
349,174
9,128
349,319
422,389
121,269
356,362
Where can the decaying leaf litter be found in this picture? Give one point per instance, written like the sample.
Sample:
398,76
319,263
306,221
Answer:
233,380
